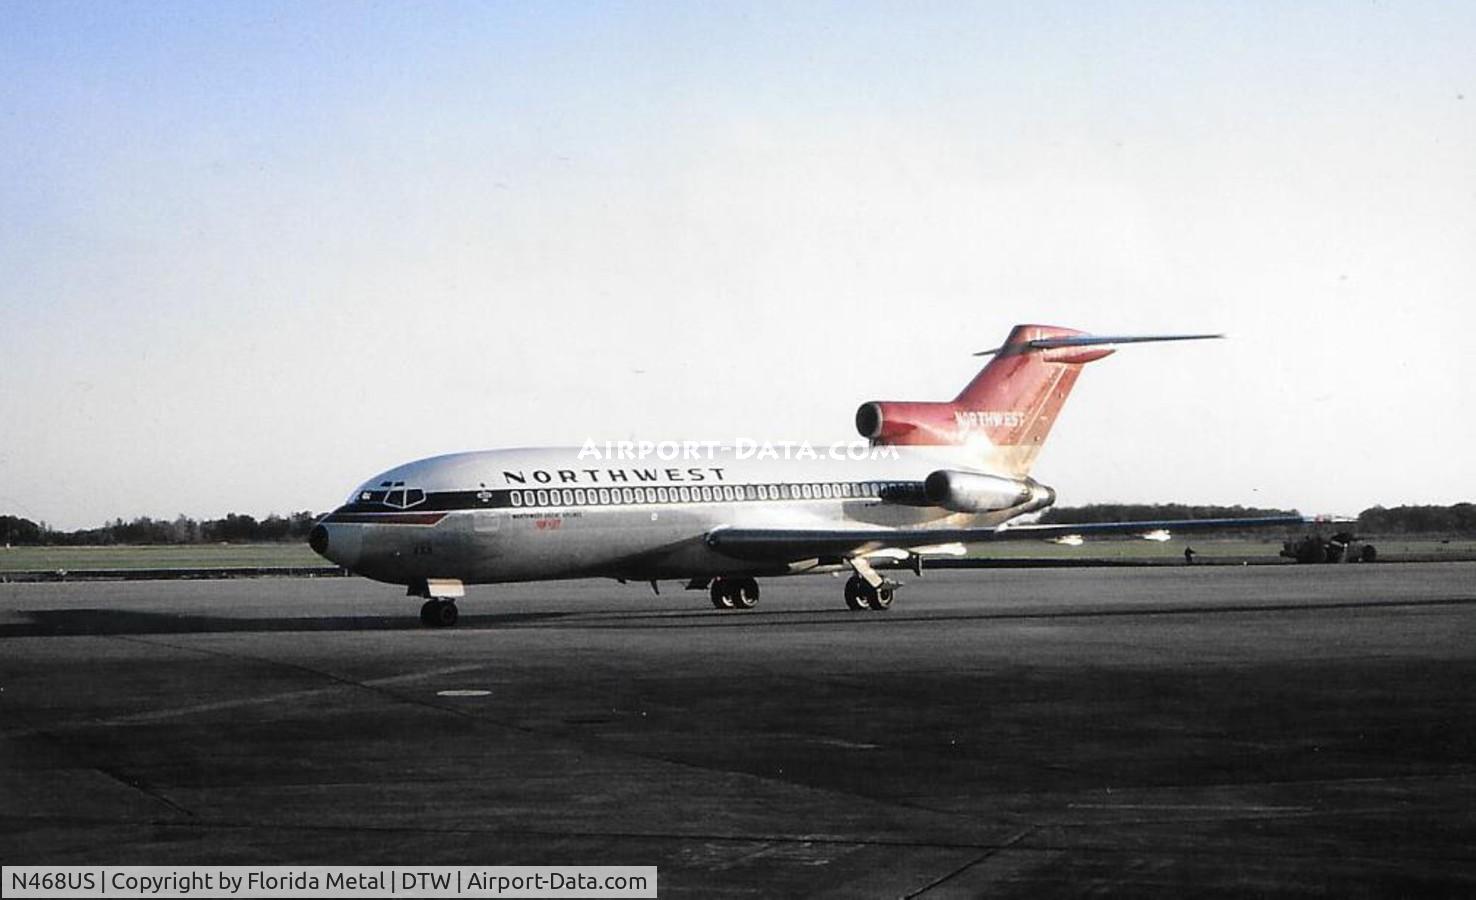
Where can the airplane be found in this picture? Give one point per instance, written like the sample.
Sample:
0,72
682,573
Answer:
929,478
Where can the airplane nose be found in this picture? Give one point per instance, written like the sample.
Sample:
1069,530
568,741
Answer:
337,543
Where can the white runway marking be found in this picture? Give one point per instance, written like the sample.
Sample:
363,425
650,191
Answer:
848,745
463,692
159,714
1191,807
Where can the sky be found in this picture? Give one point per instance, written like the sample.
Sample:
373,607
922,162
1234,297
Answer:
252,254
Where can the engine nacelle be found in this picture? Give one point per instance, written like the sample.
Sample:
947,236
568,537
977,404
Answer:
895,422
972,492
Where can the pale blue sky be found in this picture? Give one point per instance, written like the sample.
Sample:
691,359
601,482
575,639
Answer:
251,254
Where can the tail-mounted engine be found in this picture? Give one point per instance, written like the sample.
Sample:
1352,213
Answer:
972,492
892,422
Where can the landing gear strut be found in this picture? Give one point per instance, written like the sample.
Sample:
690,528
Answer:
734,593
438,613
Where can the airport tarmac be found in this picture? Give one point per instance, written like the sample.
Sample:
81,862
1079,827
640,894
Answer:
1050,732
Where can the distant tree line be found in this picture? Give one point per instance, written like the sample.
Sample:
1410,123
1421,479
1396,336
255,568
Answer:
236,529
1459,518
1456,519
1132,512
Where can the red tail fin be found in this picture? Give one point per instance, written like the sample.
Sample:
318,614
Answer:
1008,409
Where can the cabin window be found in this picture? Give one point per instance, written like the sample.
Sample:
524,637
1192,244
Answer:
543,498
517,499
827,491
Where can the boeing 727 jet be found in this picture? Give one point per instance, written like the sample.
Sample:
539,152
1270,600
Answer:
933,477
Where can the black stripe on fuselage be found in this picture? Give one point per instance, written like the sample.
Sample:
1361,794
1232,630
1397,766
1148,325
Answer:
905,492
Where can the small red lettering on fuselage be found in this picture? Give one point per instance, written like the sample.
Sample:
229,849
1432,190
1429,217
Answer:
547,524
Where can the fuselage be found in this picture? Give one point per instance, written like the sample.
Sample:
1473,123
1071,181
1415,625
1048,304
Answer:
547,513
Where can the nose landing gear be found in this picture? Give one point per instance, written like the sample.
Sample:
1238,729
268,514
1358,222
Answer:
438,613
439,609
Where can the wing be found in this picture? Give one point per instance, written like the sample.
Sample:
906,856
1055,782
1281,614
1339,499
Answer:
795,544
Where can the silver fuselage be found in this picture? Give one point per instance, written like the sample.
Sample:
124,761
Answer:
550,513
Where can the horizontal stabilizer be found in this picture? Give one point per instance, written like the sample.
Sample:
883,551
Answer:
1093,340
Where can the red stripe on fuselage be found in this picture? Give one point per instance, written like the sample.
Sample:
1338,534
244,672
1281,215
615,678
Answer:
385,518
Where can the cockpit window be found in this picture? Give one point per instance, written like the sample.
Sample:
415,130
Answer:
393,494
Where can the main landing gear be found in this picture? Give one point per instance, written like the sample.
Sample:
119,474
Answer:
734,593
860,594
438,613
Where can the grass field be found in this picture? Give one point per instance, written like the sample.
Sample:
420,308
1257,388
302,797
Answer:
223,556
185,556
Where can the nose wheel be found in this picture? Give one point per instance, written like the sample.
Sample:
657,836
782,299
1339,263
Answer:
439,613
734,593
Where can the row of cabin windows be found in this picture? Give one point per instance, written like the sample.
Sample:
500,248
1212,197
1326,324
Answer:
697,494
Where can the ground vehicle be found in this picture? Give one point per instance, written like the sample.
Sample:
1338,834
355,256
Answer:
1341,547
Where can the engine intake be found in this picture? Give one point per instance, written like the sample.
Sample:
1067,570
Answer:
973,492
894,422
